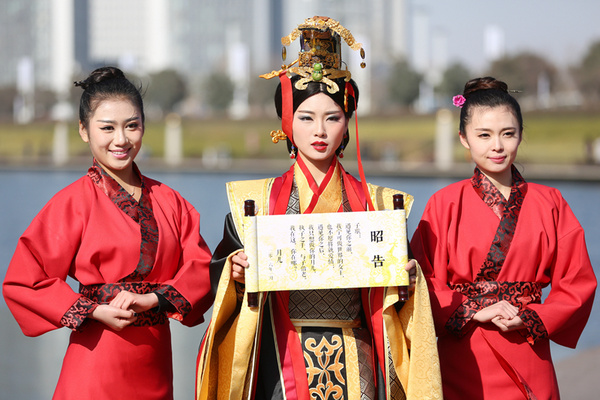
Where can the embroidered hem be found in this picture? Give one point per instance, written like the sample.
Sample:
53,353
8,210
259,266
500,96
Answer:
76,315
104,293
182,306
486,293
535,327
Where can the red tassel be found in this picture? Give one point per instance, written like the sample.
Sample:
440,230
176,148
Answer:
363,180
287,105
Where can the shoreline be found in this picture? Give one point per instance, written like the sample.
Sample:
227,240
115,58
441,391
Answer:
268,167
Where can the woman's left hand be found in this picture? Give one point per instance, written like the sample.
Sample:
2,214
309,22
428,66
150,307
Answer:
411,267
507,325
134,301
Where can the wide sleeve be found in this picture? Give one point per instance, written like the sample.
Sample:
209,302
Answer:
35,287
228,346
230,244
566,309
429,245
189,289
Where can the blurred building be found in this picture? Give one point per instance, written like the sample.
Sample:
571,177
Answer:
65,39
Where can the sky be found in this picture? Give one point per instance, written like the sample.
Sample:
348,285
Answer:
559,30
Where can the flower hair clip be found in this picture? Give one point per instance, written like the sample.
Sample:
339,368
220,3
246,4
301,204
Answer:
458,100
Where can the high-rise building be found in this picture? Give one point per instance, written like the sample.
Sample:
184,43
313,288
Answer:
64,39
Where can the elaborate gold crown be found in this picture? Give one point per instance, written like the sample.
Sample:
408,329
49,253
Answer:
320,56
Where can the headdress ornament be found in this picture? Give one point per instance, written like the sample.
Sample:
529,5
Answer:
458,100
319,60
320,56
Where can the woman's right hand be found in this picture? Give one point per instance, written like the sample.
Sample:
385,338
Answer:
239,263
114,317
500,310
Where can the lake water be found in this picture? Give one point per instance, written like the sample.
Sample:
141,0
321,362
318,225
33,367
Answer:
29,367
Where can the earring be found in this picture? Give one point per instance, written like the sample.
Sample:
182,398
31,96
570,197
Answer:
293,152
342,146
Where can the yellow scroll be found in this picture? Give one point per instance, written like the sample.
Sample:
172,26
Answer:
328,250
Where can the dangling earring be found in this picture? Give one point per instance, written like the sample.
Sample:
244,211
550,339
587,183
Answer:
293,152
342,146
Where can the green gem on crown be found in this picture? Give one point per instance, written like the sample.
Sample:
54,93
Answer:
318,67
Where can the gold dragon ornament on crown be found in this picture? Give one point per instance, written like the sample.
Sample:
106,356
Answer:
319,59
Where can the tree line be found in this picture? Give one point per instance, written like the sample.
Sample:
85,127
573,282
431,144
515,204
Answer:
539,84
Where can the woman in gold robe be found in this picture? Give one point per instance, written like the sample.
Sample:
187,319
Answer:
352,343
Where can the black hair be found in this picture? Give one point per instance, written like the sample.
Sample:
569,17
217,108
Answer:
312,88
102,84
487,92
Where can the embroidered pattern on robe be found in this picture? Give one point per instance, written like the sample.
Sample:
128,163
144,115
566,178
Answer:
141,212
485,291
336,359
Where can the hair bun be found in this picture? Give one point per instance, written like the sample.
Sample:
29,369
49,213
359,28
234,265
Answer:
483,84
100,75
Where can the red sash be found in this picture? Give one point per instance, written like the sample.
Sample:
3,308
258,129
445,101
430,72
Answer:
282,188
293,368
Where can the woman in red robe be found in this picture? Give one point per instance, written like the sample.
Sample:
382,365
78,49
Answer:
337,343
133,245
487,246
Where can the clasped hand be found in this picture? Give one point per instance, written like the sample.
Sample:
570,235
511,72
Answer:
502,314
123,309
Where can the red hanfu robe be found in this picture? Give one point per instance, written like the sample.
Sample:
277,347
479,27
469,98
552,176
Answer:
473,254
95,233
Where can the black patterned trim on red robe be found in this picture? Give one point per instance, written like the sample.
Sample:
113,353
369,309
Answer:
104,293
141,212
483,294
507,211
462,316
486,291
535,327
77,313
180,303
